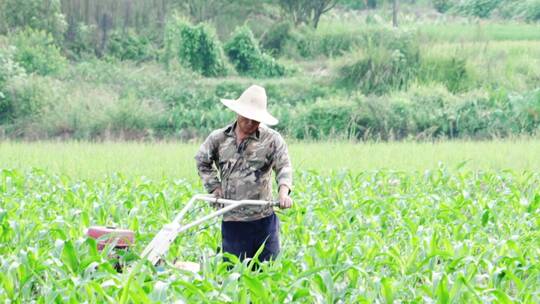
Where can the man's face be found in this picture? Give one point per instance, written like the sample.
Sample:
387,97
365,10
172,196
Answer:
246,125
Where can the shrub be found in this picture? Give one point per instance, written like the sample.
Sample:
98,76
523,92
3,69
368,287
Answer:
528,10
37,14
531,10
130,46
452,72
8,69
197,47
276,37
329,42
353,4
324,118
442,5
37,52
477,8
383,67
26,97
79,40
130,116
247,58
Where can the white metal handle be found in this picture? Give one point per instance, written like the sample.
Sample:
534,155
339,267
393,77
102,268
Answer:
231,204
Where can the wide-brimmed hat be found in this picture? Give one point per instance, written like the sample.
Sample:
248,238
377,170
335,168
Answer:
252,105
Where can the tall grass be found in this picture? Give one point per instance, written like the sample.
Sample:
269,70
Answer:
514,65
481,31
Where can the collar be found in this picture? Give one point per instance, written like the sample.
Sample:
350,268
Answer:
229,131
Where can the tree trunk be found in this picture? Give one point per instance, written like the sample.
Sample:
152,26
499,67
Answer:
87,12
394,13
127,16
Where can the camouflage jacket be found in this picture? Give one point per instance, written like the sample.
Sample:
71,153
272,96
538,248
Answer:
244,171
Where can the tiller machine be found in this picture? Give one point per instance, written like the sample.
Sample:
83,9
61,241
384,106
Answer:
122,239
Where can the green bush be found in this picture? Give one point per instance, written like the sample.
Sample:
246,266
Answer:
244,53
130,46
196,46
527,10
275,39
389,65
26,97
477,8
353,4
325,41
531,10
452,72
79,40
421,113
37,14
37,52
8,70
442,5
323,119
134,118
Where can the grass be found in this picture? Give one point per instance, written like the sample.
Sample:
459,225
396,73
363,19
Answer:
514,65
497,31
175,160
441,30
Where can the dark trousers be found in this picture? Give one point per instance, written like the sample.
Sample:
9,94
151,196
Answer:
243,239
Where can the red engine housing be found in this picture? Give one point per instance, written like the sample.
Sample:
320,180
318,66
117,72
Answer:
122,238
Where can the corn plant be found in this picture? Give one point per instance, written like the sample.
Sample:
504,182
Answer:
381,236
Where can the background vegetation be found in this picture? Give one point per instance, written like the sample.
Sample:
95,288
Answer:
153,69
421,220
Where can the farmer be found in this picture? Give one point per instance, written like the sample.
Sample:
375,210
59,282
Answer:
236,162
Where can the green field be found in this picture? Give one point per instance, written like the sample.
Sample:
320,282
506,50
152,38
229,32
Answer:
82,160
431,233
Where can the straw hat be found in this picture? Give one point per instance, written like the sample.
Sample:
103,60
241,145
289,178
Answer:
252,105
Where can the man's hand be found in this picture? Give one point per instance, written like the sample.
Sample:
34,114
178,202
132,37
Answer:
285,200
218,193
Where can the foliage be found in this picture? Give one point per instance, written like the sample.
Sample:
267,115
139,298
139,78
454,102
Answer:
421,113
529,10
452,72
325,42
244,53
477,8
130,46
37,14
353,4
385,66
198,48
437,236
277,36
442,5
80,40
37,52
130,101
9,69
25,98
306,11
325,119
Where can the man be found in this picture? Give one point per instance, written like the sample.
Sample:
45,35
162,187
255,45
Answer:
236,162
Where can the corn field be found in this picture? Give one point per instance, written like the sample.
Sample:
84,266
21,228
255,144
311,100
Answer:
376,236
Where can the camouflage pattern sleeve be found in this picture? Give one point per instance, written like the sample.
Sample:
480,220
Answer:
282,164
205,158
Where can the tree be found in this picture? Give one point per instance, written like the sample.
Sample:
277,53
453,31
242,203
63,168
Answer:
203,10
38,14
306,11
